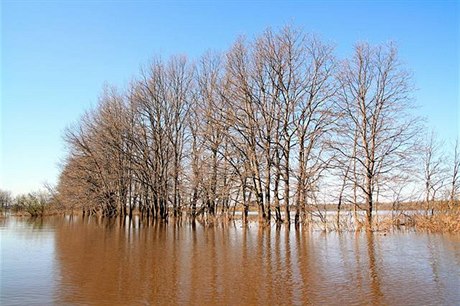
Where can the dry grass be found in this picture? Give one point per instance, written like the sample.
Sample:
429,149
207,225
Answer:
447,221
440,222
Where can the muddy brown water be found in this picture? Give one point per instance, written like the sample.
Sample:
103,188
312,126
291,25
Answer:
75,261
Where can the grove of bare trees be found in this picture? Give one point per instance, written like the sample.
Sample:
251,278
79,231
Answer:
276,124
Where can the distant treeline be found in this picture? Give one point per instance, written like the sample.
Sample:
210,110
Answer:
33,204
278,122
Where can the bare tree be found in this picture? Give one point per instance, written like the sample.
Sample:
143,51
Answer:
268,124
433,170
5,199
374,101
455,175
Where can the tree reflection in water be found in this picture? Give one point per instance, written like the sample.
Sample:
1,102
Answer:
136,261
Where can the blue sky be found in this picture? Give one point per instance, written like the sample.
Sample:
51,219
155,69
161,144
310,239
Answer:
56,56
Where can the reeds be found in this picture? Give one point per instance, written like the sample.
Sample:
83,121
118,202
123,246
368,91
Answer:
439,222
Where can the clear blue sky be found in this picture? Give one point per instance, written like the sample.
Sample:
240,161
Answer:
56,56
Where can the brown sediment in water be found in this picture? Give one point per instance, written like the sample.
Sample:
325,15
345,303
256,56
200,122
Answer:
113,262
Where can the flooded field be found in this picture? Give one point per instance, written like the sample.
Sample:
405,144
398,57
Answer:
107,262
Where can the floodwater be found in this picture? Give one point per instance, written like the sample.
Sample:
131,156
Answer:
103,262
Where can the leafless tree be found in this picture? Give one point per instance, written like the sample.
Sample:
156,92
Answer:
5,199
267,123
374,100
433,170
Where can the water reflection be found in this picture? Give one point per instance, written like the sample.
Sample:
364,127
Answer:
115,262
373,270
